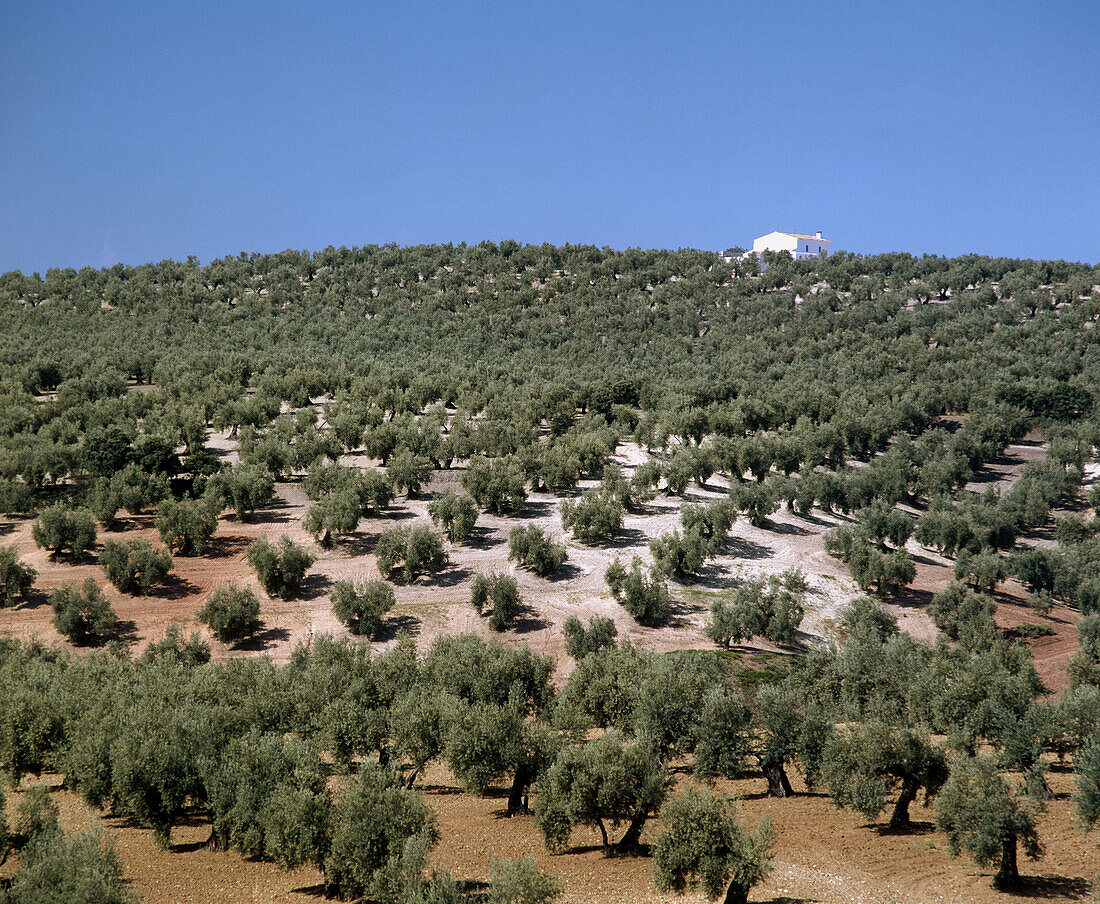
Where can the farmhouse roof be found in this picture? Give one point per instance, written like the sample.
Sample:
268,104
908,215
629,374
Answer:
812,238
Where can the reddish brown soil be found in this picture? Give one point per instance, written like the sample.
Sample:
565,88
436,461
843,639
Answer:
822,855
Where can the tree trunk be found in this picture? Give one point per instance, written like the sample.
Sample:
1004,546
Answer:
412,776
631,840
1008,876
603,833
516,798
778,783
909,788
736,894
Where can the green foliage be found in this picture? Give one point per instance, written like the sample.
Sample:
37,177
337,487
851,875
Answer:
134,566
496,486
757,500
408,471
531,547
580,640
596,517
84,614
496,596
771,608
866,763
956,610
38,814
16,579
360,607
1086,795
872,569
186,525
982,815
82,867
410,552
646,598
601,783
243,488
232,613
522,882
982,571
680,556
376,824
244,780
704,844
59,528
280,568
455,514
337,512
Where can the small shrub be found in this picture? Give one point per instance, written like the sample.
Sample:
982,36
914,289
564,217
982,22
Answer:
134,566
16,579
82,614
59,528
532,548
361,607
455,514
595,518
646,599
522,882
186,525
232,613
771,608
413,552
281,567
496,596
580,640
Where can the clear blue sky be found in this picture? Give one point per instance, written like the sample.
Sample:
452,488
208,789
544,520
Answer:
144,131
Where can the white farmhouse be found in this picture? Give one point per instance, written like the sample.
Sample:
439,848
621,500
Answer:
800,246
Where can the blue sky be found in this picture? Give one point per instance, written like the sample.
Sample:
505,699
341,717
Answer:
144,131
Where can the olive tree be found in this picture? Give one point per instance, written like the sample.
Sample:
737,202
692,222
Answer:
704,844
360,607
82,614
531,547
232,613
16,579
985,817
134,566
59,528
281,567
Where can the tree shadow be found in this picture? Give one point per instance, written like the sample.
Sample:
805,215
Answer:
173,587
783,899
314,586
535,509
273,513
1051,887
791,530
124,632
911,598
259,641
226,546
743,548
567,572
625,538
33,600
314,891
914,828
713,576
396,625
483,538
356,545
528,621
